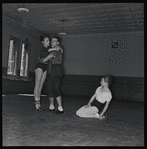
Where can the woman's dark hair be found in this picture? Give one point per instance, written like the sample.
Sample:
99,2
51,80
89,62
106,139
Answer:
42,37
108,78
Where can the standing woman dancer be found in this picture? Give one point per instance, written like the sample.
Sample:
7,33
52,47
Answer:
41,70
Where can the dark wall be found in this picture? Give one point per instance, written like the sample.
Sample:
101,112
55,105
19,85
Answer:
123,88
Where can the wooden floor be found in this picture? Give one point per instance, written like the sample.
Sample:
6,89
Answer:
123,125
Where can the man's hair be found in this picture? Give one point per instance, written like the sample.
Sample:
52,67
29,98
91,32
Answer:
58,39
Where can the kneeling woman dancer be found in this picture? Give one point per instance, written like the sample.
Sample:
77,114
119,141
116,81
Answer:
103,97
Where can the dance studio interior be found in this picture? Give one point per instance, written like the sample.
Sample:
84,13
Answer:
97,39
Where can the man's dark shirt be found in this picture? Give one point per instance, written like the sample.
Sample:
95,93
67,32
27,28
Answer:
56,60
58,57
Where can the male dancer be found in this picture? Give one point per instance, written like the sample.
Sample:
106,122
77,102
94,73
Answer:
54,77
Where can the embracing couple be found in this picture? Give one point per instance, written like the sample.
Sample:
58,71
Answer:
49,68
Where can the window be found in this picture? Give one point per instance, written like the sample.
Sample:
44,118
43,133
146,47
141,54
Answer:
18,57
12,59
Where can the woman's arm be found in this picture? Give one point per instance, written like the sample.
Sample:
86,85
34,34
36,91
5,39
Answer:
44,60
61,50
105,108
55,48
91,99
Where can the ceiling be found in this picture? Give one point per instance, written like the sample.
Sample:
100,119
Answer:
80,18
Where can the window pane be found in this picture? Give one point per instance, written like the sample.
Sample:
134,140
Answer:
24,61
15,63
26,68
11,58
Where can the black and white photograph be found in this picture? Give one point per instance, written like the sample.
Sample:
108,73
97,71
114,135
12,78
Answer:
73,74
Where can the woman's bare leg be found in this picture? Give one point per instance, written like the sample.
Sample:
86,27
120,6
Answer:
42,82
38,77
